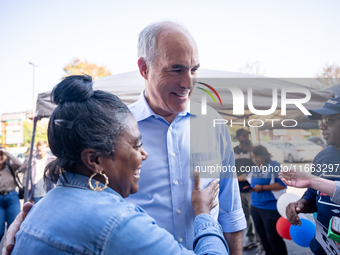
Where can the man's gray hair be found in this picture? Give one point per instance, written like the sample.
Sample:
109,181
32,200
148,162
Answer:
147,40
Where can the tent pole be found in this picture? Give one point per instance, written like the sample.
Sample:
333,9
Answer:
35,120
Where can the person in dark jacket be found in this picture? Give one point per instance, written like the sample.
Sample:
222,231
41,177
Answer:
9,199
326,165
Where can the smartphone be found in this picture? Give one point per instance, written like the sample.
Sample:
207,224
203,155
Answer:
334,229
247,188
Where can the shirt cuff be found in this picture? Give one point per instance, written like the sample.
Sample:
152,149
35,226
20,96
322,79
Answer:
336,195
206,226
203,221
233,221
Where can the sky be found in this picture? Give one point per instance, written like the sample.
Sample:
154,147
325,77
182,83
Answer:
288,38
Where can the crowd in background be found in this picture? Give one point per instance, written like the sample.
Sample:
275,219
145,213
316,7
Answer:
10,167
259,192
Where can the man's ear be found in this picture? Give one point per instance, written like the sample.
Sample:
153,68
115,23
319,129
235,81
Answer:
90,160
143,68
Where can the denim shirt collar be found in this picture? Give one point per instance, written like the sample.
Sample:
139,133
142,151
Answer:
74,180
143,110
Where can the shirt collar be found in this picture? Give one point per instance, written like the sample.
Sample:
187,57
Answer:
69,179
143,110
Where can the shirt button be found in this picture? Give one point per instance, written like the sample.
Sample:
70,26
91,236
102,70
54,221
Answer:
156,117
170,127
178,211
176,182
173,154
180,239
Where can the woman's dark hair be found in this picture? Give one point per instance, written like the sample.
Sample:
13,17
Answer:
83,119
6,161
262,151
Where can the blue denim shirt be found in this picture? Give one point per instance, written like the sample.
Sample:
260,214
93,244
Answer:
72,219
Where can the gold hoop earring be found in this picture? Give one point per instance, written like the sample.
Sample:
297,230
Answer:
98,188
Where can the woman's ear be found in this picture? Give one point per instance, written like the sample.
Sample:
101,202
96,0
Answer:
91,160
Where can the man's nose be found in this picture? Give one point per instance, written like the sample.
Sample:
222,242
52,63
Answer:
188,80
322,126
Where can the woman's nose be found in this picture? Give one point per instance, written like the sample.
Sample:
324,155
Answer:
144,154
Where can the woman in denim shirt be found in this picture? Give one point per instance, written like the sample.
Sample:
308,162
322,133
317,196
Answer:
99,158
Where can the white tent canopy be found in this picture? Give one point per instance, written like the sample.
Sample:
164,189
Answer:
128,86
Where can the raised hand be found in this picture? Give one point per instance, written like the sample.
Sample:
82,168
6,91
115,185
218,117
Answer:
296,178
203,200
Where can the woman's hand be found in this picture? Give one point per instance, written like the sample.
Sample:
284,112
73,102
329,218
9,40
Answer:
296,178
14,228
203,200
337,245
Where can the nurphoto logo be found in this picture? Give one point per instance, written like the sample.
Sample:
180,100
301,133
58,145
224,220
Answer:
278,98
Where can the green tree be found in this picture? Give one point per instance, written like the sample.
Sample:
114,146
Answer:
40,132
77,67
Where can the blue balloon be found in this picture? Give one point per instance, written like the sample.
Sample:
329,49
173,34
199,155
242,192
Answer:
302,235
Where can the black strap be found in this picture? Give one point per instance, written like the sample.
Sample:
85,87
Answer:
14,176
